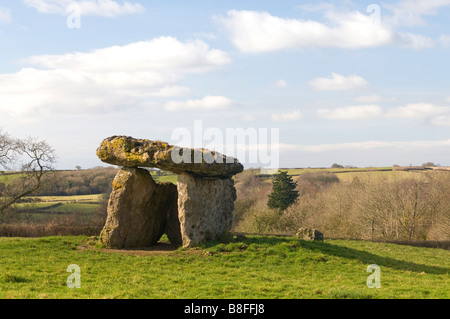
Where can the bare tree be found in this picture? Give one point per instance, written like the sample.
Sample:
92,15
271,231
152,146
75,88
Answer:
8,147
31,159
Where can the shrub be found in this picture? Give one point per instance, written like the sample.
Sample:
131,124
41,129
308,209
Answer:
317,180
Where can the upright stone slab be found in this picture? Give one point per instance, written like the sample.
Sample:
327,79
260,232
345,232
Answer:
205,208
138,210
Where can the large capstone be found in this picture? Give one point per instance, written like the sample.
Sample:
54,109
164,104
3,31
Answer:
139,211
130,152
205,208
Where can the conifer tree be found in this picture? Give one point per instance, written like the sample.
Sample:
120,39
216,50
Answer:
283,192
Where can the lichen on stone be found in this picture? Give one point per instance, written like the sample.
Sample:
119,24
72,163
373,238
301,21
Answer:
130,152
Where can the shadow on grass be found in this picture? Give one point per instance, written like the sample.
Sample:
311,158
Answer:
355,254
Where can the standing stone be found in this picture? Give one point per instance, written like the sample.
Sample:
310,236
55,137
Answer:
137,210
205,208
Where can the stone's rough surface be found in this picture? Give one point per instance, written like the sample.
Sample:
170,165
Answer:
130,152
138,210
205,208
309,234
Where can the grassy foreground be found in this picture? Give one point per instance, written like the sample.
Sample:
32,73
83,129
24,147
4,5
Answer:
257,267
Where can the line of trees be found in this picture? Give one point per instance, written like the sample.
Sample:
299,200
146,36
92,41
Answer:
412,206
96,180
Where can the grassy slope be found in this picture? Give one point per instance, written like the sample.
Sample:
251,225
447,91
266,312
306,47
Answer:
260,267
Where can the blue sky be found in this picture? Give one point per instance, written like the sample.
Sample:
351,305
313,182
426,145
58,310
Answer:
359,83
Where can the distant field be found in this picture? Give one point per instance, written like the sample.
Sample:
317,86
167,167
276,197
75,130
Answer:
344,174
73,199
9,177
377,175
298,171
46,208
366,174
55,207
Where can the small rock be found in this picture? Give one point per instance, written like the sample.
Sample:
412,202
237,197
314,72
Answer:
309,234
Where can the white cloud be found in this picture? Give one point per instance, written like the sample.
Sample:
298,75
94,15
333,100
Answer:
373,98
411,12
417,110
254,31
351,112
338,82
205,35
5,15
414,41
248,117
444,39
441,120
287,117
162,53
206,103
316,7
280,84
105,79
435,115
369,145
105,8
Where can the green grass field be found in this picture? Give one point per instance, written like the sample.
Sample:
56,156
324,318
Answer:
258,267
366,174
297,171
74,199
376,176
62,204
45,209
